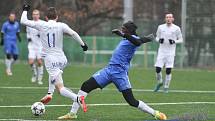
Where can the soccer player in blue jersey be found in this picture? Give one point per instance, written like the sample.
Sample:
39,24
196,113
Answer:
116,72
9,34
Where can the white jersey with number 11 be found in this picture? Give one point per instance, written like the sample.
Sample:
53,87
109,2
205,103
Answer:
51,34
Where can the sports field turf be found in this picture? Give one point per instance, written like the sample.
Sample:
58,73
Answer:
192,95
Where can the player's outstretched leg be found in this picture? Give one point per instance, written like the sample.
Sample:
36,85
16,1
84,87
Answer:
86,88
128,96
159,79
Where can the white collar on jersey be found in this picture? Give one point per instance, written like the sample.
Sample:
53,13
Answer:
51,21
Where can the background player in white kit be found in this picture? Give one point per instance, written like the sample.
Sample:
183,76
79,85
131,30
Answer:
54,57
168,35
35,50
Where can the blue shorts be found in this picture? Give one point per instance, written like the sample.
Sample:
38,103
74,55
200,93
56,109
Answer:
113,74
11,48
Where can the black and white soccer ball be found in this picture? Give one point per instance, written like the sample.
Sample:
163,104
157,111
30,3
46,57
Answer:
38,109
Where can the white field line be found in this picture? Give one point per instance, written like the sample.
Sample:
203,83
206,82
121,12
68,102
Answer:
111,104
108,89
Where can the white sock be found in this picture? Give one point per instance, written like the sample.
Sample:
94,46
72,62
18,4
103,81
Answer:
168,80
34,69
40,72
51,86
8,63
159,77
75,105
68,93
145,108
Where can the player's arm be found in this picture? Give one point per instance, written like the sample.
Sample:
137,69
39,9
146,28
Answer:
25,21
134,40
178,36
75,36
158,36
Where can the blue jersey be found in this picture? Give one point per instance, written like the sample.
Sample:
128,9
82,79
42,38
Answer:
10,31
123,53
117,70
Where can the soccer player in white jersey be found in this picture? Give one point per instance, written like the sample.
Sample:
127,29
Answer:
168,35
35,50
51,34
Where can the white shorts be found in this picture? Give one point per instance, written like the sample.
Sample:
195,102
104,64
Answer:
34,53
165,60
55,65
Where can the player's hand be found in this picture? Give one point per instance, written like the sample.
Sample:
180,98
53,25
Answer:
161,40
171,41
118,32
84,47
29,40
26,7
149,38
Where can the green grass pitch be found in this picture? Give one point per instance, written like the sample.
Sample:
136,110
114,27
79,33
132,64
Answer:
202,82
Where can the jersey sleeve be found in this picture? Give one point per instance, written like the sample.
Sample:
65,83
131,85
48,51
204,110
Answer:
30,23
4,27
158,34
179,36
72,33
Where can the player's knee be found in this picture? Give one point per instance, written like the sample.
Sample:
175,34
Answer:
8,56
15,57
158,69
89,85
30,61
40,62
168,71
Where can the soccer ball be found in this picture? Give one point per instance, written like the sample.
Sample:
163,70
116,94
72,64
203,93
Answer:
38,108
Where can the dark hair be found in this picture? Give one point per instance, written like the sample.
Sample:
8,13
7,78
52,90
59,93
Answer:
51,13
168,13
131,27
12,12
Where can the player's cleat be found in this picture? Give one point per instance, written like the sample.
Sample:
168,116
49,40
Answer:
40,77
46,99
160,116
165,90
33,79
158,87
81,102
8,72
68,116
40,82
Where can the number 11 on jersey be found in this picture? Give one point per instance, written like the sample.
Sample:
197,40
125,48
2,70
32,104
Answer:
51,39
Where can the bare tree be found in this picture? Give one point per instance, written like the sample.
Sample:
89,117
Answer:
89,14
